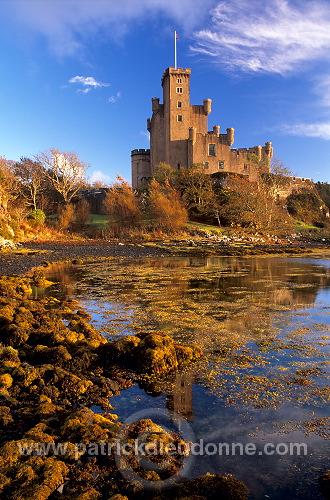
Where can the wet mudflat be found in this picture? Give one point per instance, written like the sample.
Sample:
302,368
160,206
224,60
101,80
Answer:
263,324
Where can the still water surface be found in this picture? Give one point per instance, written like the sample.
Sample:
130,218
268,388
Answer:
264,326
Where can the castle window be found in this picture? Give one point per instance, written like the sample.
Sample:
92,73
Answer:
179,104
179,118
221,165
179,80
245,166
179,90
212,151
206,164
178,166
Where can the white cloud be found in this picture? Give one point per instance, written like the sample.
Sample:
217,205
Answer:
277,36
319,130
68,24
114,98
98,175
87,81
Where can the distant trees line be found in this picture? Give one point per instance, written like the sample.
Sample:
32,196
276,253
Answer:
173,196
50,182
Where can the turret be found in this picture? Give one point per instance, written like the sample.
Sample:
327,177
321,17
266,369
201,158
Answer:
207,106
269,149
230,135
259,152
216,130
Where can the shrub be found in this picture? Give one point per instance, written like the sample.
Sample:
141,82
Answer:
82,212
37,216
122,205
66,215
165,206
306,206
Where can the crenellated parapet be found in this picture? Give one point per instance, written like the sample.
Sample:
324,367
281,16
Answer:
140,152
179,136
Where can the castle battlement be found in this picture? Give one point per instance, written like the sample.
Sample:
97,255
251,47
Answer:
179,136
140,151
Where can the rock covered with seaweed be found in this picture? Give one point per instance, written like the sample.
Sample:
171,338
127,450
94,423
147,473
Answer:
149,353
54,368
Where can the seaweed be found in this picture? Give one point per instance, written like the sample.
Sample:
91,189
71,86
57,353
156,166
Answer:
54,367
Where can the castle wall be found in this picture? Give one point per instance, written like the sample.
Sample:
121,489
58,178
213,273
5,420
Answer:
224,158
198,118
293,184
179,136
157,138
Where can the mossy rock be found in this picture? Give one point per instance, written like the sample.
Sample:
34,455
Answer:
39,279
160,354
9,357
14,287
58,355
90,494
5,416
85,426
36,479
152,354
91,336
214,487
6,380
156,354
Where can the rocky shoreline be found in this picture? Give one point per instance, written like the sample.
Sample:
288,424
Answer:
43,253
56,367
36,254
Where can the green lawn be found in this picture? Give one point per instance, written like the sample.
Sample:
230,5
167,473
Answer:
302,226
204,227
96,219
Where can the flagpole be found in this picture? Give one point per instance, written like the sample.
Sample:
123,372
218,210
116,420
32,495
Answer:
175,62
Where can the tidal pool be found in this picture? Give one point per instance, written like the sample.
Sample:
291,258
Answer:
258,402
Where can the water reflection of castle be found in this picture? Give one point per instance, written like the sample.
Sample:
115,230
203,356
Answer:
180,399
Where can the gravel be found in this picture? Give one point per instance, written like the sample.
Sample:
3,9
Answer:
11,263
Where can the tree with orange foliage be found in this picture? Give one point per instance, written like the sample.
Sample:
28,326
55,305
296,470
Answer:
122,204
165,207
251,204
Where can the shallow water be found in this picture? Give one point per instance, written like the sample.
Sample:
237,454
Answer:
263,323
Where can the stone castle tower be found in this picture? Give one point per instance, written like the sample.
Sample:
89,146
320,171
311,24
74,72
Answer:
179,136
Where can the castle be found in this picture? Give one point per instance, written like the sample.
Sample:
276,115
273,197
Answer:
179,136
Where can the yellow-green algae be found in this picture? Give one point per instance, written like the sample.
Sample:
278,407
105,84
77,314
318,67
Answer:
54,367
166,297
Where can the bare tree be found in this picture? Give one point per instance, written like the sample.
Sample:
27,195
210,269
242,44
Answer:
65,171
31,177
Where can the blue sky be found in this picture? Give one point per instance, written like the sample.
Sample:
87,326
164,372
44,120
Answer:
79,75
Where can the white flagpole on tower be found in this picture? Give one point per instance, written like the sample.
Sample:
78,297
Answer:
175,38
